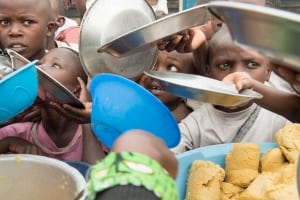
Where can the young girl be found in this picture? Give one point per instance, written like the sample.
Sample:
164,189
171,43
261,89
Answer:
55,135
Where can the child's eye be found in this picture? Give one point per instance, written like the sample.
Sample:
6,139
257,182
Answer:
253,64
56,66
224,66
4,22
28,22
173,68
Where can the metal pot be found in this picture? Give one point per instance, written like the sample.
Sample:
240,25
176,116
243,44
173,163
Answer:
32,177
108,19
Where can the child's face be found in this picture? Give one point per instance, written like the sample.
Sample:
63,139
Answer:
23,26
226,58
63,65
168,61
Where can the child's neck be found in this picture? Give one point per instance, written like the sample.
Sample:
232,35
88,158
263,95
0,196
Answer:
60,129
234,108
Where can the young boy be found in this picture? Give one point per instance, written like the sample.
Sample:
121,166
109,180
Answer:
175,62
209,124
25,25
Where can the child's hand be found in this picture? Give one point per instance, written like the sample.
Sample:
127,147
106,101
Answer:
293,77
185,41
242,80
80,115
19,146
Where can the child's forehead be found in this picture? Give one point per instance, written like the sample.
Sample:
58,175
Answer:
23,6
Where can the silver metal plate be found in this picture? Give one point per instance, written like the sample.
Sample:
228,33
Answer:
271,31
202,88
108,19
147,36
57,90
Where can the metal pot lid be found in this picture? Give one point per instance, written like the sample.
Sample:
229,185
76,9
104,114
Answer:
108,19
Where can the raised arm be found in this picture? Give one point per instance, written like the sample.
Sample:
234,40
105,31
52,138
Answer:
277,101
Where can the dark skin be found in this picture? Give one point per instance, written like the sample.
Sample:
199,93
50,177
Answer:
22,27
252,71
65,67
24,30
149,145
175,62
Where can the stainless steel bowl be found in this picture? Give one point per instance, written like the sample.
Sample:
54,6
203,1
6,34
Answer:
271,31
108,19
32,177
148,35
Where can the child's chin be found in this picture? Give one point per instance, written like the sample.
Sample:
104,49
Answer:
240,106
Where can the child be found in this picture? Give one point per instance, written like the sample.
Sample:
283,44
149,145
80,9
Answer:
60,36
209,125
55,135
25,26
140,166
176,62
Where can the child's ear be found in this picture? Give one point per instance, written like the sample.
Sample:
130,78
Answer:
51,27
60,21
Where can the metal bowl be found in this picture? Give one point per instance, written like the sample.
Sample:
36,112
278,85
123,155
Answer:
108,19
203,88
148,35
32,177
273,32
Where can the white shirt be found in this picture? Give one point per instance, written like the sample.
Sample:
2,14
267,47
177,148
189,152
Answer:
68,23
162,5
209,126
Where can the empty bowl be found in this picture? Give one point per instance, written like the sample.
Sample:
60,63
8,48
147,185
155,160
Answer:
120,104
19,90
106,20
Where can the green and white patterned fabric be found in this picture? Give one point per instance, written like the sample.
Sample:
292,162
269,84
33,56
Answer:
131,168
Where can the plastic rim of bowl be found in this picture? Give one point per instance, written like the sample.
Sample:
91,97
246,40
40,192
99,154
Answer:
19,90
120,104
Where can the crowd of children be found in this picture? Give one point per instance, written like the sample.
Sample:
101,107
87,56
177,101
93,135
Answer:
62,131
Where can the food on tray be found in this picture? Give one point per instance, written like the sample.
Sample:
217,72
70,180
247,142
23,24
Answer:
249,177
288,140
204,181
230,191
242,164
272,160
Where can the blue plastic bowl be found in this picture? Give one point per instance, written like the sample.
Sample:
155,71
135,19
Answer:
214,153
120,104
18,89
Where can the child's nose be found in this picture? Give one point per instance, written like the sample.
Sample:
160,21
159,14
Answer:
15,29
239,67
